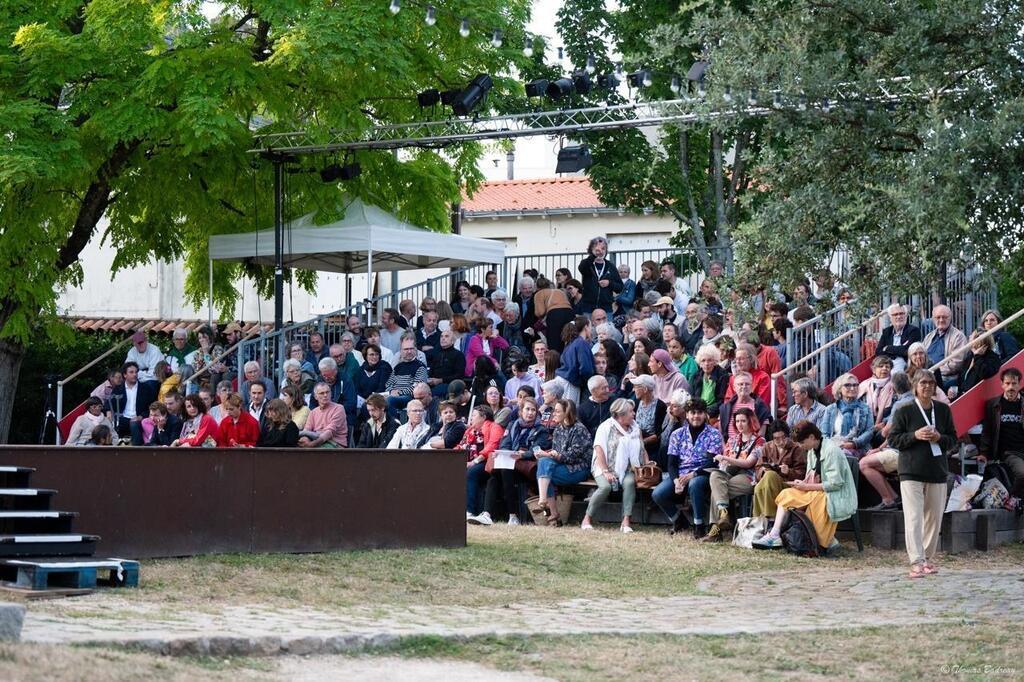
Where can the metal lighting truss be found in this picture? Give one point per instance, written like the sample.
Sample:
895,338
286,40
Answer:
569,121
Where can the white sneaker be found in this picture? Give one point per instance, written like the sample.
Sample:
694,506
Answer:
513,520
586,526
625,529
481,519
468,516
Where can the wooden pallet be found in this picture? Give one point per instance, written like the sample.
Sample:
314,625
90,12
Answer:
76,574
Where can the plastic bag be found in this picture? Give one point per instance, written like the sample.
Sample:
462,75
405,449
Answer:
963,491
993,495
748,530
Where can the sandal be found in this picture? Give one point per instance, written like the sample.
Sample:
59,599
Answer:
545,509
916,571
930,569
556,521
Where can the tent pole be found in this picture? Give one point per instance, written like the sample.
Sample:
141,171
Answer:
278,243
209,302
369,285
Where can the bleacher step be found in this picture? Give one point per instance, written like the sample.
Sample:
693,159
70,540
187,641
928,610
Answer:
41,521
55,544
26,499
15,477
47,573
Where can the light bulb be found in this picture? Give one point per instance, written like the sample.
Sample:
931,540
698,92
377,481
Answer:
591,67
777,100
676,84
648,81
431,17
395,6
826,105
753,97
464,28
727,93
528,47
496,39
802,106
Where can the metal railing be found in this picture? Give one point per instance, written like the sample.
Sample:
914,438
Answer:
77,373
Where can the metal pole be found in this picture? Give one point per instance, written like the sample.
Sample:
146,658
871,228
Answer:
60,408
369,286
278,244
209,305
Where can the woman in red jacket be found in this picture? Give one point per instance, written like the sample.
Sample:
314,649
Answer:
480,440
199,429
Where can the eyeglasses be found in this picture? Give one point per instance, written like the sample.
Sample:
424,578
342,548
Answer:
851,385
415,411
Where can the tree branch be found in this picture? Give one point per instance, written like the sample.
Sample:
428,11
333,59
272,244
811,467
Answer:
262,42
696,230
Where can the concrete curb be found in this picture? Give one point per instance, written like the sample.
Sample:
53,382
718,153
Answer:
12,617
228,646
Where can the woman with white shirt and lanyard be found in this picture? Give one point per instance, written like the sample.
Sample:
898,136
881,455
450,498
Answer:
923,432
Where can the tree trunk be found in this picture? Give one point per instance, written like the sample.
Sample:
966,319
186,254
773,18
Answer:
11,355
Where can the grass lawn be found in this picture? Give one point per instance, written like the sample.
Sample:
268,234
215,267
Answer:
500,565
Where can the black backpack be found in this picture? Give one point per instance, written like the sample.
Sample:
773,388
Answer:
799,536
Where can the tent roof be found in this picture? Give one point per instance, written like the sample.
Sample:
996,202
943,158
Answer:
343,246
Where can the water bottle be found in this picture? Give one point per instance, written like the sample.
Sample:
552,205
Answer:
615,484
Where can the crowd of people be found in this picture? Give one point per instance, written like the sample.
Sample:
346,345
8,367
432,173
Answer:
595,375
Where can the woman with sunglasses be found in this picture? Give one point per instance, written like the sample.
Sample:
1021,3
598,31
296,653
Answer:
847,421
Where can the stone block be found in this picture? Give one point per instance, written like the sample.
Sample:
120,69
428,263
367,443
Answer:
12,616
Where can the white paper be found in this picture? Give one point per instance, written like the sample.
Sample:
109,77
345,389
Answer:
504,459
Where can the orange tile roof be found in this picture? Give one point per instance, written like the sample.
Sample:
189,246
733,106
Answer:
533,195
127,324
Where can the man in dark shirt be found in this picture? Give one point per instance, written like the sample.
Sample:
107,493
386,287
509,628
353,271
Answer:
897,337
1002,434
596,408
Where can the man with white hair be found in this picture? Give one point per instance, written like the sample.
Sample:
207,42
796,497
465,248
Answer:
527,288
941,342
342,392
254,374
180,350
595,408
897,337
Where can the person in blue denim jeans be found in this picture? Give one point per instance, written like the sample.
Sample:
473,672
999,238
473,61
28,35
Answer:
568,460
690,450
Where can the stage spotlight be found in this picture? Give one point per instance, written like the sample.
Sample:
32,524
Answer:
640,79
428,98
559,89
448,96
696,72
608,81
536,88
582,83
335,172
474,93
573,159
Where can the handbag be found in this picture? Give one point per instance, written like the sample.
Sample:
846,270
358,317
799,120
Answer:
748,530
648,475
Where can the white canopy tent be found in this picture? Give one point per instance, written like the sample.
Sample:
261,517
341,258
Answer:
367,239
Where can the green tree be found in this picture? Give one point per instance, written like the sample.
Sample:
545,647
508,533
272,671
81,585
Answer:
140,113
906,188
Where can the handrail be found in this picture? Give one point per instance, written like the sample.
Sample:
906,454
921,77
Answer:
62,382
224,354
821,316
815,353
970,342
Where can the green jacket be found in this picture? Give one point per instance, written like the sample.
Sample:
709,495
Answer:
836,479
917,463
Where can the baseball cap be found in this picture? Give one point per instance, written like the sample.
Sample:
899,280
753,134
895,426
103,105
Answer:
645,380
138,337
665,300
233,327
456,388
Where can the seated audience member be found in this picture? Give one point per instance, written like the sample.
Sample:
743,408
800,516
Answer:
462,298
650,414
746,361
648,278
877,464
447,433
199,429
327,424
981,363
317,349
711,329
848,421
827,493
207,359
254,375
805,404
897,338
782,461
691,328
573,293
354,325
539,367
923,432
446,364
567,462
298,353
683,361
551,392
623,302
480,440
372,337
428,336
104,390
411,435
690,451
294,376
373,376
165,379
521,377
239,429
207,397
1006,345
618,449
180,350
675,417
577,360
595,409
1002,432
223,391
742,384
735,474
407,314
407,373
667,378
877,393
348,345
297,404
125,409
81,430
421,392
493,399
346,362
486,343
941,343
523,437
145,355
463,399
257,403
166,428
279,431
376,432
782,348
615,359
711,381
175,404
391,332
342,392
101,435
511,329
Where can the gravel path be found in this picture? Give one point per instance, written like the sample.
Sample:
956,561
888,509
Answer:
786,601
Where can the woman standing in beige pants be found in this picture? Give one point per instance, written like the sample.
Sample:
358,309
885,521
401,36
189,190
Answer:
923,432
